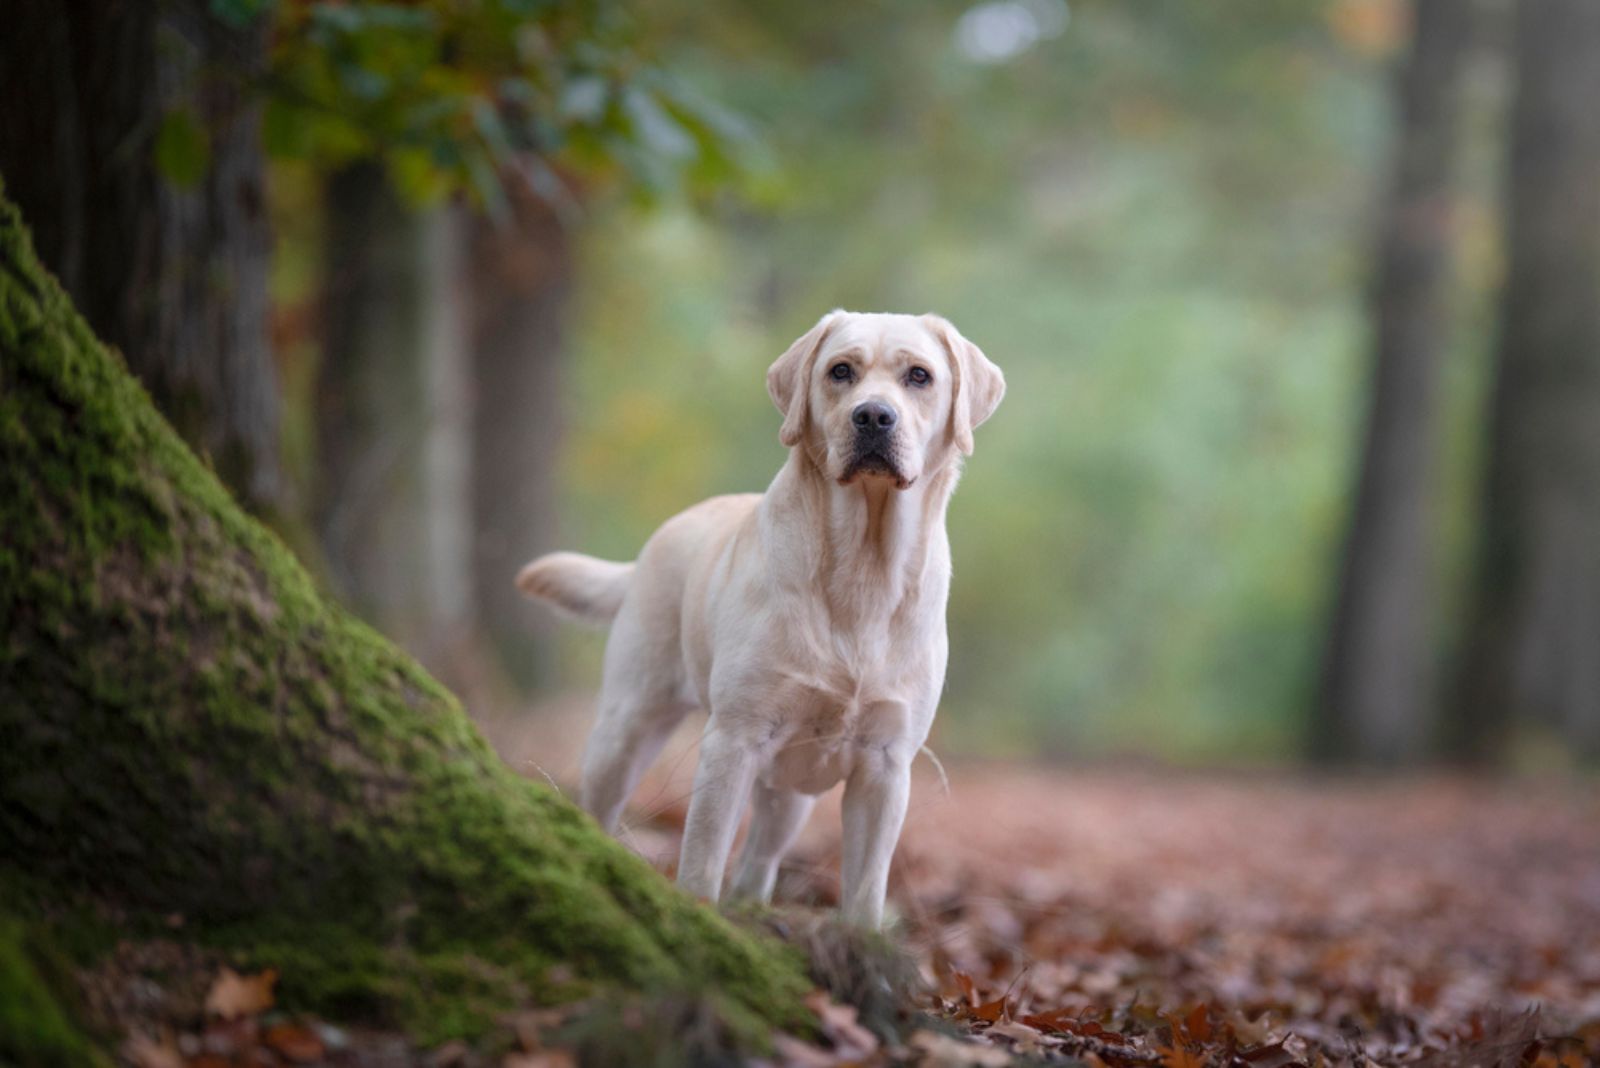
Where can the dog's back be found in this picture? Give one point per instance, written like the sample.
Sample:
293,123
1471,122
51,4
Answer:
593,591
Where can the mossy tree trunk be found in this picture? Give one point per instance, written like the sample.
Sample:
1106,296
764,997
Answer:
191,728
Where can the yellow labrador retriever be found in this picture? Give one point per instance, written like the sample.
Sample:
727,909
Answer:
808,621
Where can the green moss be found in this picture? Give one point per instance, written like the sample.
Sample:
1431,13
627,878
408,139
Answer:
866,969
193,728
661,1031
35,1028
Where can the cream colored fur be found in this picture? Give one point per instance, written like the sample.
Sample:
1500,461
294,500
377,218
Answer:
808,621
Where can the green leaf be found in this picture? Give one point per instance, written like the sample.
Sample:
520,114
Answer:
487,120
285,131
485,182
583,99
363,83
462,89
526,8
354,19
240,13
695,109
182,149
655,127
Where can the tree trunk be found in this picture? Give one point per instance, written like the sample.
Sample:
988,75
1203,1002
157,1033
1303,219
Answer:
1376,694
522,289
191,729
394,494
174,277
1533,652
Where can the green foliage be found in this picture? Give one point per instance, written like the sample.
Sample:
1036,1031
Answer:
182,149
462,94
36,1030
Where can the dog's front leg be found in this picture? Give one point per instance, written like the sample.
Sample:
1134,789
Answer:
875,798
721,788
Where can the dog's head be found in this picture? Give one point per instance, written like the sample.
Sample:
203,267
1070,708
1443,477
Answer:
883,396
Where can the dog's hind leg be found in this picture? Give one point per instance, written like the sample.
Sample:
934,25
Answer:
641,697
629,733
776,817
721,787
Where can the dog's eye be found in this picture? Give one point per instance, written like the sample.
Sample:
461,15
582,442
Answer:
841,372
918,376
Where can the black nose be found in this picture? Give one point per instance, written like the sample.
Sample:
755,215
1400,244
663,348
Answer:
873,416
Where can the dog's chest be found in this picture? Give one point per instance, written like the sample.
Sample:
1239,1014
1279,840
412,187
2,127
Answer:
827,730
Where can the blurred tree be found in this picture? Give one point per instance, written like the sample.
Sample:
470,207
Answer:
1532,654
141,155
439,418
138,154
1376,694
438,404
391,492
1149,215
520,280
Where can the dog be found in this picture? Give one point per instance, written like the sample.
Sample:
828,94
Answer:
807,621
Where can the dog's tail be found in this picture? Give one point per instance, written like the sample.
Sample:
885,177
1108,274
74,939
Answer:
580,587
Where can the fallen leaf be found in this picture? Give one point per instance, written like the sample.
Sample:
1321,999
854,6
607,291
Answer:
1053,1020
550,1058
1091,1029
841,1026
1273,1056
145,1052
233,995
450,1054
531,1025
226,1038
1026,1039
793,1053
990,1011
209,1060
942,1051
1180,1057
294,1043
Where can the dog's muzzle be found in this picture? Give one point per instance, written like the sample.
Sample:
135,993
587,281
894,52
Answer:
874,450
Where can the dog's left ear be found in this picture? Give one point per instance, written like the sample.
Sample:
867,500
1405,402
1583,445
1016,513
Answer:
978,387
788,379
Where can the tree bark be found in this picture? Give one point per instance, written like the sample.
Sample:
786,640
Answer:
192,729
1533,651
174,277
522,289
394,485
1376,694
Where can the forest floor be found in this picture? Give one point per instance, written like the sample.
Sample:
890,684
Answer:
1148,916
1126,916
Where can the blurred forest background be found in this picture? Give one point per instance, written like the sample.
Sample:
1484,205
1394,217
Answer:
1297,303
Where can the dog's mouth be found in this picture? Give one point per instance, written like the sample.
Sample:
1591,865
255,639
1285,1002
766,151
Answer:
874,463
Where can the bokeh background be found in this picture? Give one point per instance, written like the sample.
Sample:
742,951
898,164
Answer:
1273,477
1154,217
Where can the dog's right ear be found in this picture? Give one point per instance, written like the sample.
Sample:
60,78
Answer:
789,379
